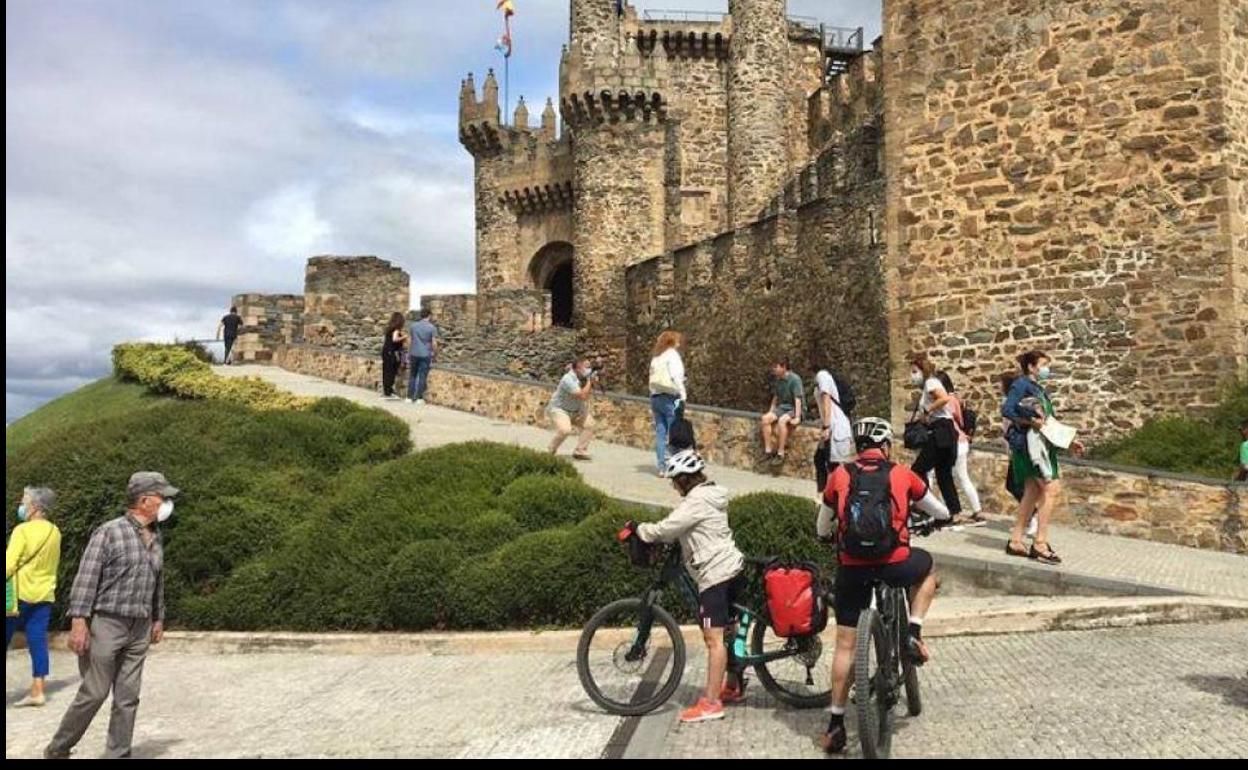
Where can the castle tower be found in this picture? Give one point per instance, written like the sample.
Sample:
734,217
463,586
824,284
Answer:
757,76
481,134
614,110
593,23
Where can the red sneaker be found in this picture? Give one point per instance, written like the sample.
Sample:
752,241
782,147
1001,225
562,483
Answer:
702,711
731,695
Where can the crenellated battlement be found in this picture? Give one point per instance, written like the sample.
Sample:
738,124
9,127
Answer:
611,84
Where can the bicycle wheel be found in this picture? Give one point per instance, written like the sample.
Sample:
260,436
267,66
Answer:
618,681
872,659
909,671
804,678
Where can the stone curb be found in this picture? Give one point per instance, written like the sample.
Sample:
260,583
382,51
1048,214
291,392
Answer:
1062,614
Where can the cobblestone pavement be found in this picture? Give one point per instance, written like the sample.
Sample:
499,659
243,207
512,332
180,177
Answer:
1160,691
312,705
628,473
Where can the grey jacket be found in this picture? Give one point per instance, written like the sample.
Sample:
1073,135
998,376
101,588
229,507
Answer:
700,523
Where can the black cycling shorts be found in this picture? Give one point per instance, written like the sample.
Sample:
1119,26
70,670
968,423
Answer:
853,584
715,608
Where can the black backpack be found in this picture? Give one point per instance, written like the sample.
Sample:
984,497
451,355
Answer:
845,403
680,435
847,400
868,522
970,420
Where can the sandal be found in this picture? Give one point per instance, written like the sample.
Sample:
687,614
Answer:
975,520
1047,556
1022,551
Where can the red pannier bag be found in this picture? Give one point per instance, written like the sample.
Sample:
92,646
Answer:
795,599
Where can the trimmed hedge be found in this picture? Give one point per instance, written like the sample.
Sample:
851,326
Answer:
542,502
1208,446
177,371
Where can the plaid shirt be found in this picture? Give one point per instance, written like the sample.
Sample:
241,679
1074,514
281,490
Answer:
120,575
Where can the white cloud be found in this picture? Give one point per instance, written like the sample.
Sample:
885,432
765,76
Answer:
161,157
286,223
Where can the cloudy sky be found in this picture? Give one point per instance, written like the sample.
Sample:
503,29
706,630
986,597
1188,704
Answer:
161,156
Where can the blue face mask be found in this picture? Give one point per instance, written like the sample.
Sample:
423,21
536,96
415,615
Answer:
22,514
1044,373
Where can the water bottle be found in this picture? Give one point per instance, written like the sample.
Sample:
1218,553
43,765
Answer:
740,645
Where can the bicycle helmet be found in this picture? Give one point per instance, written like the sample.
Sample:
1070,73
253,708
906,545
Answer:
872,432
683,463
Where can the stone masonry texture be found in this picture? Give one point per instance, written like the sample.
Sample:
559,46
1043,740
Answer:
1068,175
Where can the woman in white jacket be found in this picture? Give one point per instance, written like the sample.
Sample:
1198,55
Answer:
667,390
700,523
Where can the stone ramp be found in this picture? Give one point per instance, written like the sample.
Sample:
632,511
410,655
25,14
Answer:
1094,563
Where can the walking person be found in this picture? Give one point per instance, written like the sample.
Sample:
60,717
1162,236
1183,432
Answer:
229,325
30,564
961,470
668,393
1042,484
569,408
392,345
423,341
941,452
836,441
117,609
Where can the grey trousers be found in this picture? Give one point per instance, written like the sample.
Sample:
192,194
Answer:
114,663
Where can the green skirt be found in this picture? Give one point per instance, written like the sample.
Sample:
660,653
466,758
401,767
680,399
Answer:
1024,468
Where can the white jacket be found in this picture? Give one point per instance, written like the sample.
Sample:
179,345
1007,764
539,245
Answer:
700,523
670,360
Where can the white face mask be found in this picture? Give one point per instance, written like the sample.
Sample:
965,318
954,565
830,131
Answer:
164,511
916,378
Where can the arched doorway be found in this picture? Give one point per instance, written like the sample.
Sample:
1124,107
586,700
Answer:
551,270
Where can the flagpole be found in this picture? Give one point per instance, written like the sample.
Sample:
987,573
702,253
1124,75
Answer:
506,87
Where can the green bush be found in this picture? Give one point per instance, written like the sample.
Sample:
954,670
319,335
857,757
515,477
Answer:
769,524
484,533
544,502
1207,446
416,581
247,477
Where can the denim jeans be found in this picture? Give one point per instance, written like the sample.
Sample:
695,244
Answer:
663,406
420,377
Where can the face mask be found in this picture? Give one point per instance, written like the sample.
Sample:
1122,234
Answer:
164,511
916,378
22,513
1044,373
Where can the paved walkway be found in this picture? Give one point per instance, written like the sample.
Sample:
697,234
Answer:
1156,691
628,473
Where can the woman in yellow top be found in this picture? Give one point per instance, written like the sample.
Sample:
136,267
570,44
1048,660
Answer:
33,555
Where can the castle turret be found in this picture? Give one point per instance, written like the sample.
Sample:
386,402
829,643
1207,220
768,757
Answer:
520,119
757,76
549,129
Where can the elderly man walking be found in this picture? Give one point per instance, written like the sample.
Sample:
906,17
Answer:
117,608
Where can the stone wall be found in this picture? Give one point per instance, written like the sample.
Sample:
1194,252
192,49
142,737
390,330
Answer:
1058,179
804,284
1234,58
269,320
1099,498
348,300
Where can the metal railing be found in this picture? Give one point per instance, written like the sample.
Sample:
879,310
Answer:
842,39
660,14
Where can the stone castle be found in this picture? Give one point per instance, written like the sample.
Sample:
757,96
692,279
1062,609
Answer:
988,176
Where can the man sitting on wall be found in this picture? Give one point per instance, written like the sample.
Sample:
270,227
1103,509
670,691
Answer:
784,414
569,406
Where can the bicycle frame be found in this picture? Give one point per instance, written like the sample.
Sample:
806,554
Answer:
673,571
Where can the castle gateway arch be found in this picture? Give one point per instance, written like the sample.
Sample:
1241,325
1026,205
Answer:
551,270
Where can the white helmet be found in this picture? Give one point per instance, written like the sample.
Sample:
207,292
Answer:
683,463
872,431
